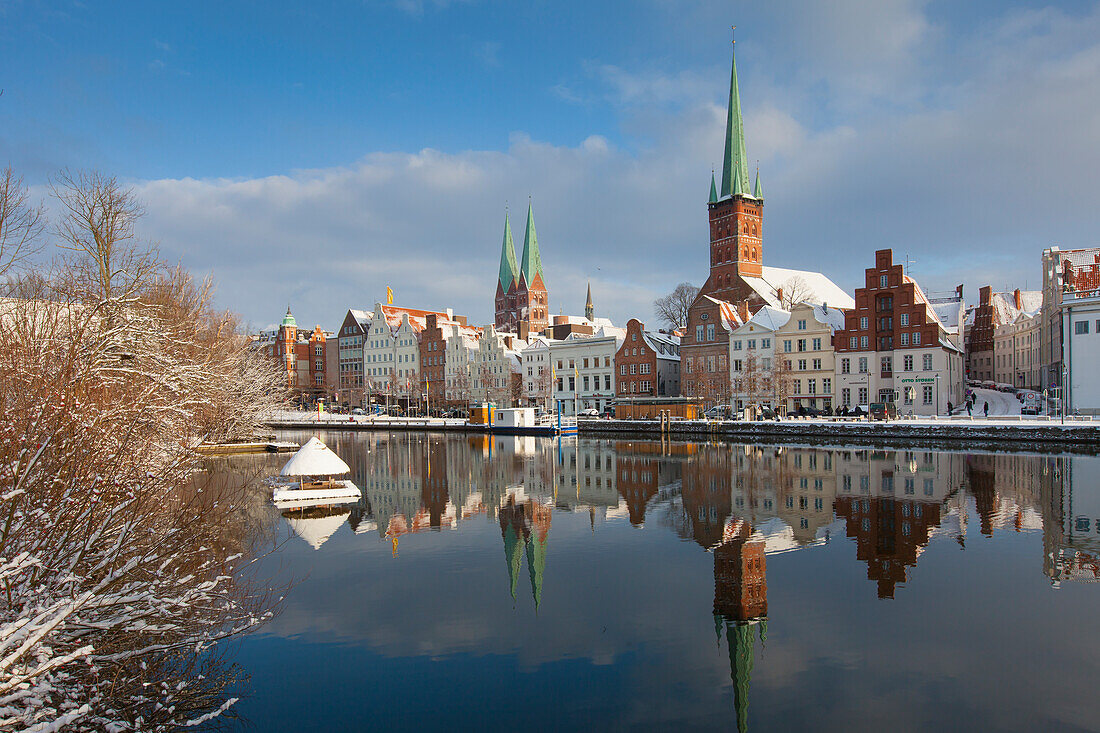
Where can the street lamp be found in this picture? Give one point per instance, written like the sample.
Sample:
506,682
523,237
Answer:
937,382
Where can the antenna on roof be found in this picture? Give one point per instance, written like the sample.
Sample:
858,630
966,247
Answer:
908,262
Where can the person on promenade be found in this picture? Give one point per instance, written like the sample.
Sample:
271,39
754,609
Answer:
985,409
969,408
949,406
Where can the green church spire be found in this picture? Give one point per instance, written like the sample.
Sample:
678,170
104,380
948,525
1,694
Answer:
509,272
758,190
713,190
531,262
735,170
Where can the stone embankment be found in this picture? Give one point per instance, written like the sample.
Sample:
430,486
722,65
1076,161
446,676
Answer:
1008,433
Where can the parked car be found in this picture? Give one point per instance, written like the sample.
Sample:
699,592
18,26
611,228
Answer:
883,410
358,411
719,412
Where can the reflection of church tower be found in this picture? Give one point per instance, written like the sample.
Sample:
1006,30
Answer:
433,489
525,527
740,602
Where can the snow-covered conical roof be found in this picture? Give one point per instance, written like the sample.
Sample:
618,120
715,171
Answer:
314,459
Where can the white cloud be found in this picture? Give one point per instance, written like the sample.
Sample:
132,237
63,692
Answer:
972,183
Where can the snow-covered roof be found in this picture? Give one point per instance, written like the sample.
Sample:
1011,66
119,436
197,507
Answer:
595,323
663,344
830,316
314,459
731,319
818,288
949,313
1004,305
769,318
361,317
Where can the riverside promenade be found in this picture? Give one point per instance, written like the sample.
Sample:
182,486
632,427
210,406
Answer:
1008,432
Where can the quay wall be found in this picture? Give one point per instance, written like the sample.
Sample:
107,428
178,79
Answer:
1077,436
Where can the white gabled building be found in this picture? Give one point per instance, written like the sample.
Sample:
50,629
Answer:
584,369
391,352
461,355
535,372
752,355
495,369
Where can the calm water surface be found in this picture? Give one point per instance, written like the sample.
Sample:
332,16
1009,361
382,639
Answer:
529,583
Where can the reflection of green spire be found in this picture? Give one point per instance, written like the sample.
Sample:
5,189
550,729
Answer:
513,554
536,563
739,640
718,629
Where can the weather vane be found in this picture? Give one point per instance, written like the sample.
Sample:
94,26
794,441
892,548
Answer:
733,32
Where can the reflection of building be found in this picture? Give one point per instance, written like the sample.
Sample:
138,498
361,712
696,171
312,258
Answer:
740,602
890,535
525,528
1071,518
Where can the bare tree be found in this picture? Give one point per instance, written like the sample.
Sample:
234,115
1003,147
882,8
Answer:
21,223
97,223
672,309
779,382
748,382
792,292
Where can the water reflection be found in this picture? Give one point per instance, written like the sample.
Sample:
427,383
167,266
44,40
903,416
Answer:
874,513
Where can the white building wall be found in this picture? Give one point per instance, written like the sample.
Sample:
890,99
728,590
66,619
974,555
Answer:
568,357
1081,351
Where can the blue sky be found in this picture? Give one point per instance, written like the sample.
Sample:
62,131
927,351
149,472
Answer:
314,153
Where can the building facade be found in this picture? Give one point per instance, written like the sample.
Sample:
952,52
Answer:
752,353
350,339
584,370
704,349
805,341
1069,279
302,355
647,364
895,348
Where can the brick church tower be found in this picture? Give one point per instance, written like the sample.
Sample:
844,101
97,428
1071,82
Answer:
736,214
521,298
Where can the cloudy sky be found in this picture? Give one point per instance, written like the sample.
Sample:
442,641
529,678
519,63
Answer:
313,153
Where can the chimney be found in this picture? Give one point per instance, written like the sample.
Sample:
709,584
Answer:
959,292
743,309
450,314
524,330
779,296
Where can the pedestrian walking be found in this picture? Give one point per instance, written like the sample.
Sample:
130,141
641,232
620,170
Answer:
969,408
949,406
985,409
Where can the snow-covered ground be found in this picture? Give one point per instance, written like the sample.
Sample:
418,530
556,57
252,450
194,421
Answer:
1000,403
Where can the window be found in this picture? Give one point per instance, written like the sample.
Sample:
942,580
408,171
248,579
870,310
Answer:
827,386
863,395
699,332
907,363
864,322
586,362
801,344
927,390
622,370
927,362
845,366
787,345
863,365
767,343
817,364
905,339
916,338
607,382
750,344
801,365
928,488
736,365
1081,327
572,384
909,394
812,386
905,319
887,364
736,345
586,383
802,325
863,342
633,368
817,344
882,281
846,400
853,342
710,332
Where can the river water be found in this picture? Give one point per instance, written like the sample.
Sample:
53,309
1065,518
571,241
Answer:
536,584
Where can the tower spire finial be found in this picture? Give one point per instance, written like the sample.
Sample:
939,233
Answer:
734,163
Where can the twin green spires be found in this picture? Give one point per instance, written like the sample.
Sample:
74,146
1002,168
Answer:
735,167
509,272
530,264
